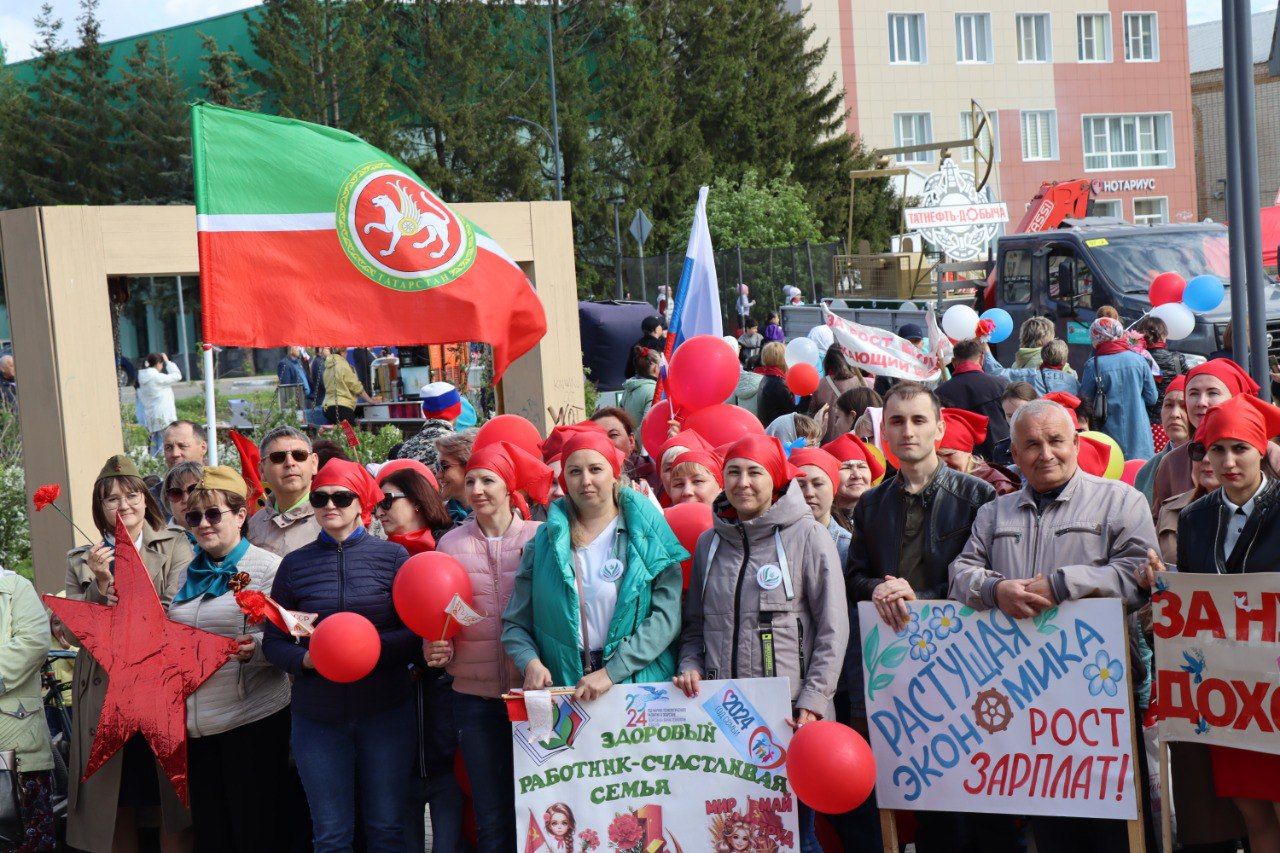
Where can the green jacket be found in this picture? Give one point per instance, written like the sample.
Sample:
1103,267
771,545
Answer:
637,397
24,642
543,619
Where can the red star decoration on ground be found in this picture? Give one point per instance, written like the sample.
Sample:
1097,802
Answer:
153,665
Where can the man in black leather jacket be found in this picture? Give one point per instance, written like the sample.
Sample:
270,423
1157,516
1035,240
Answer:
906,532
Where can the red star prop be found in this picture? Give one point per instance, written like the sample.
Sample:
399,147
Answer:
153,665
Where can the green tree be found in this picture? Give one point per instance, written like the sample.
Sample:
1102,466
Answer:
13,106
155,162
226,77
329,62
757,213
40,149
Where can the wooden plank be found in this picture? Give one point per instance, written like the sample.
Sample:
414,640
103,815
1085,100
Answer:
1166,799
889,830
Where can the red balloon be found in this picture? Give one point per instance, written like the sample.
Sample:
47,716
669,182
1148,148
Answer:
1131,469
703,372
345,647
654,427
1167,287
831,767
723,424
423,588
512,428
802,379
688,521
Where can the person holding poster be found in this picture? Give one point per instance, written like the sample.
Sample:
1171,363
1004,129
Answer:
766,595
616,617
1101,534
1236,530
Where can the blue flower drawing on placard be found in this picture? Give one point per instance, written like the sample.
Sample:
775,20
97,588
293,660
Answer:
923,647
945,622
913,625
1104,674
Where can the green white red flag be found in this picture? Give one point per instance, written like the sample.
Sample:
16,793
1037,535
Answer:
309,235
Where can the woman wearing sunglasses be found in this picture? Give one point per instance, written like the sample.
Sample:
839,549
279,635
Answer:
488,545
178,484
106,810
364,729
240,716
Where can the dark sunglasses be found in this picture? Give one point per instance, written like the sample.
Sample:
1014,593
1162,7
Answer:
1197,451
341,500
386,502
212,515
179,494
277,457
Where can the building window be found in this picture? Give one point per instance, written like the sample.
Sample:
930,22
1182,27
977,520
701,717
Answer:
973,37
913,129
1141,37
1128,142
1151,211
990,134
1033,38
1108,207
1040,135
906,39
1093,37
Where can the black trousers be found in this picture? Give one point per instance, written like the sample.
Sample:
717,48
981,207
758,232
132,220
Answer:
239,784
337,414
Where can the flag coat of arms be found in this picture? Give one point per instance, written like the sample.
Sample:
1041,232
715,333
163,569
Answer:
310,236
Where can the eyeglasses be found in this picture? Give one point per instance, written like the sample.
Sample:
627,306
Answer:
1197,451
120,500
277,457
179,494
341,500
212,515
389,499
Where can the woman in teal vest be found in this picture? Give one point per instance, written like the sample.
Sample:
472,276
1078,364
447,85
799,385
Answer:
597,595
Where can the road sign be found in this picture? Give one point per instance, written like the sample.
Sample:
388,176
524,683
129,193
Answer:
640,227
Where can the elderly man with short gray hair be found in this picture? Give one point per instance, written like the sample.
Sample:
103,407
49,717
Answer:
288,465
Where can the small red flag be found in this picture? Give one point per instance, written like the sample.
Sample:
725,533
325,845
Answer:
250,462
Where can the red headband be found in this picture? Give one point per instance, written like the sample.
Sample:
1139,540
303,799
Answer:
819,458
707,459
341,472
965,430
589,440
1243,418
554,444
849,448
520,470
1228,373
688,439
407,465
766,451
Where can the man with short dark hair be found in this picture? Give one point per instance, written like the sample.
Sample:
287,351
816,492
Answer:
653,336
287,467
972,389
185,441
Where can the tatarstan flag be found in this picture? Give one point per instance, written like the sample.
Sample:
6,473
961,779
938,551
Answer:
309,235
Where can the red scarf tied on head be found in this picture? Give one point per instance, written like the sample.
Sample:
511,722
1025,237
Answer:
1243,418
849,448
965,430
687,439
519,469
1177,383
597,441
766,451
354,477
1228,373
407,465
554,444
708,459
819,458
1070,402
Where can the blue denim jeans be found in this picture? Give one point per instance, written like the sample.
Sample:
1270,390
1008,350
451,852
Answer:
379,751
484,736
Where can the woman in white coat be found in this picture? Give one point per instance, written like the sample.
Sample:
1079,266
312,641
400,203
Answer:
155,395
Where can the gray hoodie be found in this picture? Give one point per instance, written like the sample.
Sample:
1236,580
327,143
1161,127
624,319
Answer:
810,628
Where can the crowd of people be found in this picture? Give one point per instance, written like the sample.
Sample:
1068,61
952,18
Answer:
872,490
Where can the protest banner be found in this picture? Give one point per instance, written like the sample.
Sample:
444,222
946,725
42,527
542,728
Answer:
885,354
645,769
979,712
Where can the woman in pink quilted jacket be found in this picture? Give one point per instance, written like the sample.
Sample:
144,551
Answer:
488,545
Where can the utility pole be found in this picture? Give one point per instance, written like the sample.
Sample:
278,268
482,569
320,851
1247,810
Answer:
555,113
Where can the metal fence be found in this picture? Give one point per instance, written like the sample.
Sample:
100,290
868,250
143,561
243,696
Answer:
807,266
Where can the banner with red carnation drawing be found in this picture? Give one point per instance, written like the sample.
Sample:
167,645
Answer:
645,769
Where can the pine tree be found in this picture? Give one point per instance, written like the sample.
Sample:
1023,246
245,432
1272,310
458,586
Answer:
226,77
329,62
42,149
155,163
12,110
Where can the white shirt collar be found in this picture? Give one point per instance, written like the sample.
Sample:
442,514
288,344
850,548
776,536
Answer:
1247,506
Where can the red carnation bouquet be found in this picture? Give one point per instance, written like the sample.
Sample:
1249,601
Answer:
256,606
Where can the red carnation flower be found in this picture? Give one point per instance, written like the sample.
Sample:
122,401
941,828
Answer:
985,328
625,832
45,495
590,839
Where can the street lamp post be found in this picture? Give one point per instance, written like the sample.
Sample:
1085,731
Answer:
555,149
555,112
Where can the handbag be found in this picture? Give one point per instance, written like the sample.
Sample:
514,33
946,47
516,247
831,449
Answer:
1098,416
11,829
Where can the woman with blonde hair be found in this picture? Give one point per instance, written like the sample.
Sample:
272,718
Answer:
775,398
1034,334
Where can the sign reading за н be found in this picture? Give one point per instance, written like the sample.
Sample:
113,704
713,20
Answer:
956,216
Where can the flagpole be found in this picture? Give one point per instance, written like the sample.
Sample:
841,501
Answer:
210,405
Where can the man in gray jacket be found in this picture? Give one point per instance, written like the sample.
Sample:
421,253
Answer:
1065,535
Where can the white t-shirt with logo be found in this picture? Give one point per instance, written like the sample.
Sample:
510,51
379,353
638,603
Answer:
600,573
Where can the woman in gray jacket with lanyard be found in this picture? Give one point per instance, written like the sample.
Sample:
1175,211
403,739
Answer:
766,597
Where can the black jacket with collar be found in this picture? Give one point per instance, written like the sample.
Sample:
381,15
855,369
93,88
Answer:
952,501
1202,525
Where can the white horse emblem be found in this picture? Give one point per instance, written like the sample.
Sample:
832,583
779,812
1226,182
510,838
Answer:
406,219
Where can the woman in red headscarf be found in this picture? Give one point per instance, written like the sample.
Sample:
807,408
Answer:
1236,530
861,467
696,477
368,724
766,596
664,458
964,431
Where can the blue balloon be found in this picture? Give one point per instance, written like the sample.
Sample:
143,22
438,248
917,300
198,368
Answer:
1203,293
1004,323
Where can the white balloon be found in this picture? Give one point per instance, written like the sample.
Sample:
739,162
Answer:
1178,317
803,351
908,306
960,322
822,336
732,341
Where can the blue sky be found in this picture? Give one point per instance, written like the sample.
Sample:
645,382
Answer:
129,17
